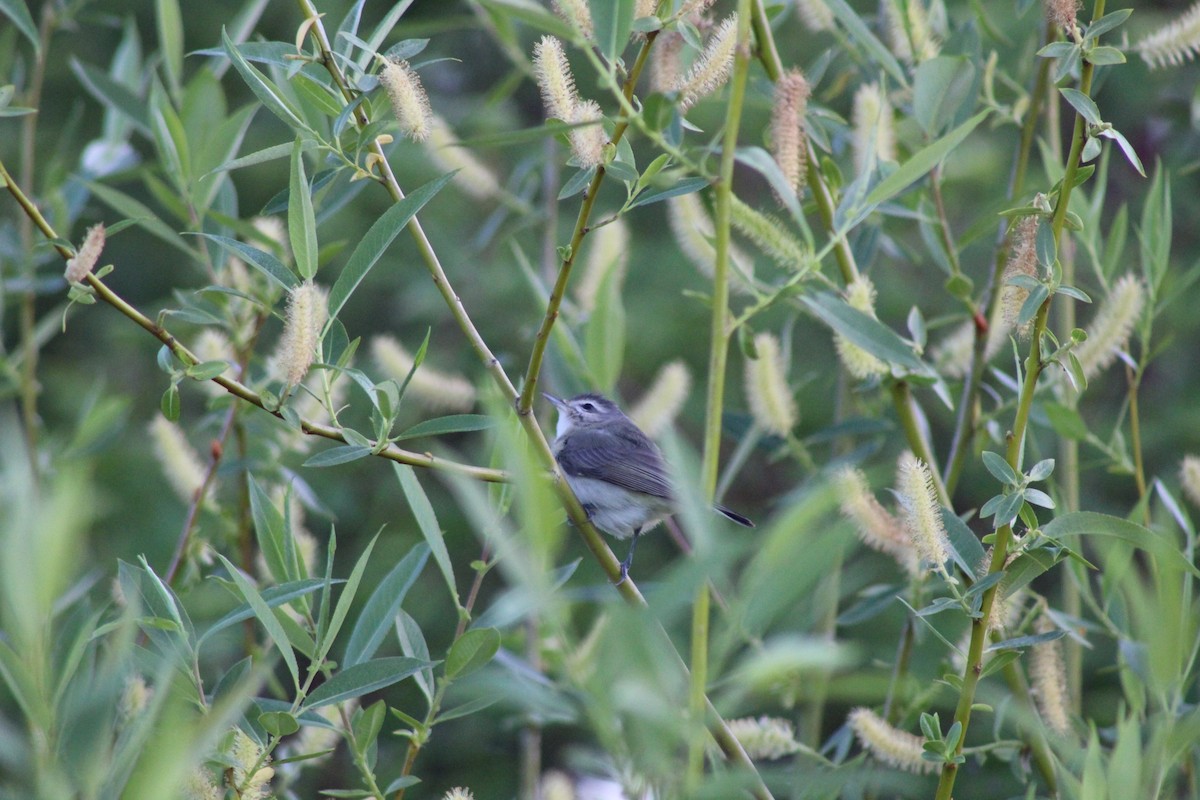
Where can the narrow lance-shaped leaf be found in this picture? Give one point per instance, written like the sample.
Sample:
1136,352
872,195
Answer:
302,225
379,614
267,617
263,89
377,239
360,679
18,12
427,521
922,162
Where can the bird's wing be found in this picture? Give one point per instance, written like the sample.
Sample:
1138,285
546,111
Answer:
640,468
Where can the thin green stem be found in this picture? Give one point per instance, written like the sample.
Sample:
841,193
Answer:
542,340
1033,370
28,308
1134,380
718,356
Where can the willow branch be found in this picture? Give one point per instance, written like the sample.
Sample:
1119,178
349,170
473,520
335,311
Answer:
542,339
1033,370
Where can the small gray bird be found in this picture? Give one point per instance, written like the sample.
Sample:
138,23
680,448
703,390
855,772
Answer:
615,470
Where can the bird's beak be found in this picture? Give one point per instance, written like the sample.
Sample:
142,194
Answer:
559,404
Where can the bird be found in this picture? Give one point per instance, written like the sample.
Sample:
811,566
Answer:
615,470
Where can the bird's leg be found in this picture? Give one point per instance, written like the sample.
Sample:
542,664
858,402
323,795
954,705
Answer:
629,558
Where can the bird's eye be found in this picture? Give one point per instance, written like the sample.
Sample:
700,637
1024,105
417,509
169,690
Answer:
587,407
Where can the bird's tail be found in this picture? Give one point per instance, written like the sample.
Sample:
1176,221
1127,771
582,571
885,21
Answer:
733,515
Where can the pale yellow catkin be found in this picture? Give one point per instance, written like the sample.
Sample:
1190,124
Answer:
576,13
1109,331
554,79
921,511
788,142
1048,674
889,744
1189,477
874,128
714,66
306,315
765,738
472,176
409,101
1174,43
661,403
859,295
87,256
771,400
875,525
815,14
180,463
588,138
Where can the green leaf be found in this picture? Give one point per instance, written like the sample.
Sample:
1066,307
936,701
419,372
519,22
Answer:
998,662
403,782
468,708
1108,22
206,370
1045,246
967,551
611,22
362,678
271,153
112,95
263,88
1090,523
422,510
861,34
1026,641
531,13
274,596
454,423
126,205
1130,154
413,644
866,332
302,224
379,614
1104,55
940,88
329,633
17,11
170,42
685,186
342,454
267,617
922,161
270,529
1083,105
472,650
278,723
261,260
1041,470
1066,421
376,241
169,405
367,724
1000,469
